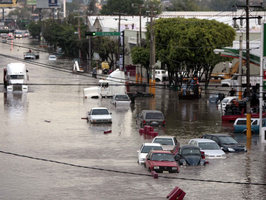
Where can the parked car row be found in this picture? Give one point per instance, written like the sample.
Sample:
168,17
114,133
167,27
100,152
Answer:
165,154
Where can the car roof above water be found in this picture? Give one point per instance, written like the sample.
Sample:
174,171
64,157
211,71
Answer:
201,140
152,144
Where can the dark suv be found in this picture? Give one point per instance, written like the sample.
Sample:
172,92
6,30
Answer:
226,142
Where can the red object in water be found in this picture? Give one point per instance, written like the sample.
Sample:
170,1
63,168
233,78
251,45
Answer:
146,129
153,134
108,131
176,194
154,174
202,155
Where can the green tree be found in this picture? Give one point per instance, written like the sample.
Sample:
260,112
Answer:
107,48
35,29
183,5
121,6
141,56
186,45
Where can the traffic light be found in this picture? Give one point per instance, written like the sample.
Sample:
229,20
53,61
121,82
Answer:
90,33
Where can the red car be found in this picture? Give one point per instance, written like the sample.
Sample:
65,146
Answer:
159,161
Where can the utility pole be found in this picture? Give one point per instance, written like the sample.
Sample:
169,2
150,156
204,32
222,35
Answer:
64,8
239,88
248,110
152,53
118,49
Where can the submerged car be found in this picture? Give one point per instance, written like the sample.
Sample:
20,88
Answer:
121,100
190,155
52,58
216,98
99,115
160,161
168,142
151,117
226,142
209,147
145,149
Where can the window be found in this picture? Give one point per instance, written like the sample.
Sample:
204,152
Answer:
255,122
99,112
17,76
191,151
241,122
163,157
147,149
227,140
154,115
164,141
208,146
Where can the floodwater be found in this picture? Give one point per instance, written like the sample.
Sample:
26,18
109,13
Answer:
48,151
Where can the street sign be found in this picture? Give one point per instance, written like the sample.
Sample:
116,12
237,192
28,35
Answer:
102,33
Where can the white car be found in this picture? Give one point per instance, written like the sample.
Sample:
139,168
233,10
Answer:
145,149
99,115
168,142
52,57
209,147
226,101
121,100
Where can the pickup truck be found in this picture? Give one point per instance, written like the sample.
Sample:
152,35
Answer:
233,82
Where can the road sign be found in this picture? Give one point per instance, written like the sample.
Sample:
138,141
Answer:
102,33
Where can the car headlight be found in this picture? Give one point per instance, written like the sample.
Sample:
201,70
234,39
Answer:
156,167
230,149
174,168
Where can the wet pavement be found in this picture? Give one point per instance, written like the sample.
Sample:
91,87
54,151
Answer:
48,151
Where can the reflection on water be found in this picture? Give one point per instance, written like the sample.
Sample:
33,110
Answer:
15,102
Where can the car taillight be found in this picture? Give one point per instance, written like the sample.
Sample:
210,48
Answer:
143,122
202,155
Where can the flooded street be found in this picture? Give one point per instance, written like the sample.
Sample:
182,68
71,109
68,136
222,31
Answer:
48,151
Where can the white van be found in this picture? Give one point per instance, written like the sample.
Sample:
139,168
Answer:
161,75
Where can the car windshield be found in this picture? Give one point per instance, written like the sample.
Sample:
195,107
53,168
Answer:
225,100
190,151
163,141
121,98
162,157
154,115
99,112
214,96
147,149
17,76
227,140
208,146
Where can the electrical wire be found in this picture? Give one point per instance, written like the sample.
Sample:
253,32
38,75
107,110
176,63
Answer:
128,172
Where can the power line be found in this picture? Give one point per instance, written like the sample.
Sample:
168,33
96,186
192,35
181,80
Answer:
128,172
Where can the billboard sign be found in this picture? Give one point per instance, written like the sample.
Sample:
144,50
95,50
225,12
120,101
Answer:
53,3
6,2
48,4
31,2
